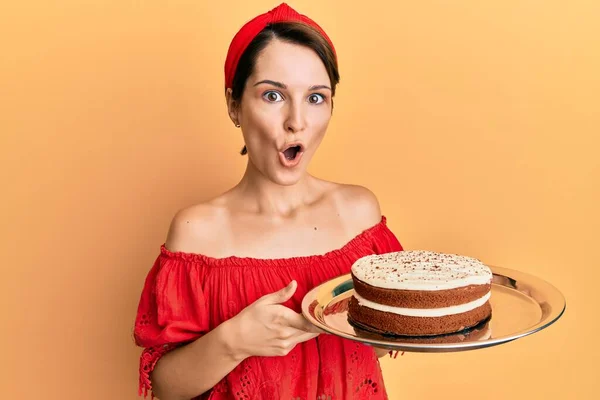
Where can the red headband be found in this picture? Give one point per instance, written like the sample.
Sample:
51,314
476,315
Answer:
281,13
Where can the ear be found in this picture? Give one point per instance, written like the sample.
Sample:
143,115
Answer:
232,107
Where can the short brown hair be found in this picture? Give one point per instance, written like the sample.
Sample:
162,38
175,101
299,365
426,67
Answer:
291,32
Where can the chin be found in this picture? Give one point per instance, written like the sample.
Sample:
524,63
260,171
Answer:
283,176
287,178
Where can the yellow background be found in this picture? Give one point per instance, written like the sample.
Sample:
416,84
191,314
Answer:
476,123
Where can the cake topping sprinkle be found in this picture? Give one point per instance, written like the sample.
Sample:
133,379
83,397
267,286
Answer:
421,270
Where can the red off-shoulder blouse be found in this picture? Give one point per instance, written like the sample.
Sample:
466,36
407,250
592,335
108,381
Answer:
185,295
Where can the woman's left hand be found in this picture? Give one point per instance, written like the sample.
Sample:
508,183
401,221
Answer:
381,351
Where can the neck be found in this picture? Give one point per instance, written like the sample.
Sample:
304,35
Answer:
266,197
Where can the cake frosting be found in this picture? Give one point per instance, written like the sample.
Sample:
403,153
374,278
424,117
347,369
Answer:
424,312
421,270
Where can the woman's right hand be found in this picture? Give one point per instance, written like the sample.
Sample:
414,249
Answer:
267,328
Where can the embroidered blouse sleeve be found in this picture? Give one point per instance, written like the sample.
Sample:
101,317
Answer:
172,311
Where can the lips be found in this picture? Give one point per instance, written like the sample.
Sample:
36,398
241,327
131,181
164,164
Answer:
291,154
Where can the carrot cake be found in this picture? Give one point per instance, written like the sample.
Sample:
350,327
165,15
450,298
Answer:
419,293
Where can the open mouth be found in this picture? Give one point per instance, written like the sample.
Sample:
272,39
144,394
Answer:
292,152
291,155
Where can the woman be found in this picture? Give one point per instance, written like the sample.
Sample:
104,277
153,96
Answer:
219,316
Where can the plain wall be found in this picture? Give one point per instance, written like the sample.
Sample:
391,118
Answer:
476,123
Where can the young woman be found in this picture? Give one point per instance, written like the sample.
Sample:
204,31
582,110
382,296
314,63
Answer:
219,316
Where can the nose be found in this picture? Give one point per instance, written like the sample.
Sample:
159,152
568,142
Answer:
295,121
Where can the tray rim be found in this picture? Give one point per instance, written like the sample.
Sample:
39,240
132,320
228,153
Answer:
558,308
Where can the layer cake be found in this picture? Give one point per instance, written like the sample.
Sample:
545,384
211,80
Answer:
419,293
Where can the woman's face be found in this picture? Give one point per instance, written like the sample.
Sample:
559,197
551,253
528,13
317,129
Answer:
285,110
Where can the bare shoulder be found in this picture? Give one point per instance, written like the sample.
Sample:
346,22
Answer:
357,204
194,229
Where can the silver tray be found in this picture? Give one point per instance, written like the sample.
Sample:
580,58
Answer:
522,304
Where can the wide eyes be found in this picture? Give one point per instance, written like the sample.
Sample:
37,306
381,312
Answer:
316,98
274,97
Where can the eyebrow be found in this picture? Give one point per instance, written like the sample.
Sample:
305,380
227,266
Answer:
283,86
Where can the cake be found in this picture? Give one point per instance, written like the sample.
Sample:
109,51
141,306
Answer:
419,293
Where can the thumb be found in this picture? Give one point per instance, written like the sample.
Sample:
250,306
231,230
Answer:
283,295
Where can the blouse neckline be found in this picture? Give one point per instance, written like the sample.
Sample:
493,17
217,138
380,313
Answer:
354,243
